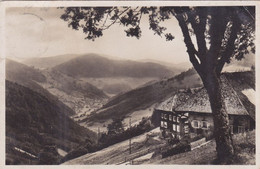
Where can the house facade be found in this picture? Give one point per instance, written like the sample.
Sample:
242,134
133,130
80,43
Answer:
175,124
192,116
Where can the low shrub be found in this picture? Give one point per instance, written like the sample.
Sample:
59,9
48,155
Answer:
179,148
245,149
75,153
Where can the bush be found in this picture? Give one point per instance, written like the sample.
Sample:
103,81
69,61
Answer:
179,148
110,139
198,137
48,158
244,145
75,153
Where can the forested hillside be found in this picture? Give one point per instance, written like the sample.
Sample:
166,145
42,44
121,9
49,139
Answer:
38,127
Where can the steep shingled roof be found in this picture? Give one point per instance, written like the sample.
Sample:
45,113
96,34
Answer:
199,102
174,101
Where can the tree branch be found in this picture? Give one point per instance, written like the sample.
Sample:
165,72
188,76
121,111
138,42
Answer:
230,47
199,30
106,20
107,27
217,30
188,42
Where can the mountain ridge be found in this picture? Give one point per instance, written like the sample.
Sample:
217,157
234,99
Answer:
94,65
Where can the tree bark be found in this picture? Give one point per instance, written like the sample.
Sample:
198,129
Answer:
222,134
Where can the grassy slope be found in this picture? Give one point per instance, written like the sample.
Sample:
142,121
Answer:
144,97
33,122
245,148
146,150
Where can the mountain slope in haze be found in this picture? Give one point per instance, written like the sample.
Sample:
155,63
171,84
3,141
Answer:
56,86
178,68
244,64
36,128
93,65
20,72
79,95
31,78
144,97
113,86
72,86
48,62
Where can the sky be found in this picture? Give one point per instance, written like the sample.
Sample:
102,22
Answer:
39,32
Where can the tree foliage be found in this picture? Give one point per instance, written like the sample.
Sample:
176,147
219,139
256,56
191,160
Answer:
116,126
225,31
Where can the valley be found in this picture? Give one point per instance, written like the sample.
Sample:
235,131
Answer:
80,96
88,92
140,102
90,102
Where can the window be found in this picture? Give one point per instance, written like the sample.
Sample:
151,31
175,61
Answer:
195,124
174,118
186,129
174,127
178,119
161,115
170,117
178,128
204,125
231,129
165,116
241,129
165,124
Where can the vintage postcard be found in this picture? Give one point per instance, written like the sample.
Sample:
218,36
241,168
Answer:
130,83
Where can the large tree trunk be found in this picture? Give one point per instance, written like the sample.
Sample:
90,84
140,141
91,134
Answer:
224,144
205,63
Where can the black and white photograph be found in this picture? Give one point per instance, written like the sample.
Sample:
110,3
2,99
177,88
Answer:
130,84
